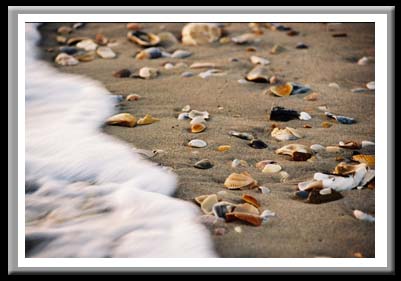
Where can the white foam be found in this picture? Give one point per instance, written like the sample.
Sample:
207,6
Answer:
96,197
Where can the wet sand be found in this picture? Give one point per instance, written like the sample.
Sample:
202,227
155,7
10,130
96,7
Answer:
299,229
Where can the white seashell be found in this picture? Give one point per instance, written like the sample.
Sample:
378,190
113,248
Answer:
264,189
363,216
186,108
285,134
266,214
148,72
366,143
87,45
197,120
238,229
197,143
304,116
317,147
291,148
105,52
169,65
334,85
181,54
245,38
64,59
325,191
259,60
365,60
371,85
243,81
271,168
183,116
195,113
187,74
211,72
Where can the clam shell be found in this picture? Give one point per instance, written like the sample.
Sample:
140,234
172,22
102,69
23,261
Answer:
290,149
257,144
366,159
299,88
261,164
66,60
149,53
371,85
148,72
241,135
259,74
147,119
105,52
238,181
251,200
196,65
350,144
249,218
286,134
282,90
144,39
271,168
203,164
340,119
200,33
198,127
245,38
196,113
197,143
207,204
223,148
325,191
259,60
363,216
312,97
133,97
86,56
122,119
122,73
183,116
181,54
239,163
87,45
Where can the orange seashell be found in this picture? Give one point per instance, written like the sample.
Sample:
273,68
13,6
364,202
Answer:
249,218
198,127
282,90
366,159
238,181
223,148
248,207
230,217
307,126
122,119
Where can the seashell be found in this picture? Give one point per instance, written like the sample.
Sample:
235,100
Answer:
259,60
203,164
225,40
87,45
208,203
333,149
277,49
371,85
105,52
200,33
283,176
133,26
186,108
167,39
75,40
221,209
363,216
264,189
148,72
266,215
359,90
298,152
365,60
238,229
133,97
366,143
122,119
325,191
223,148
341,183
315,196
301,45
85,56
195,113
258,74
299,88
66,60
279,113
369,176
181,54
101,39
68,50
326,125
340,119
241,135
334,85
147,153
197,143
251,49
257,144
61,39
187,74
183,116
261,164
366,159
249,218
317,147
198,119
273,79
350,144
251,200
309,185
147,119
122,73
247,208
198,128
243,81
282,90
322,107
78,25
238,181
286,134
211,72
199,199
271,168
203,65
305,116
312,97
307,126
245,38
64,30
144,39
149,53
239,163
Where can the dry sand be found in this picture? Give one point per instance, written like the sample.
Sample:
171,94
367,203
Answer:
299,229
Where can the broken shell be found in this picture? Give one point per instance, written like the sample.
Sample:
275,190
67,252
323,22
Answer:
64,59
238,181
122,119
86,56
245,38
251,49
344,169
264,189
180,54
64,29
350,144
148,72
340,119
207,204
105,52
322,107
61,39
286,134
317,147
282,90
200,33
299,88
203,65
304,116
147,119
186,108
133,26
133,97
251,200
261,164
259,60
87,45
183,116
123,73
199,199
271,168
257,144
197,120
334,85
312,97
363,216
197,143
371,85
223,148
247,208
78,25
290,149
101,39
143,39
366,143
249,218
266,214
239,163
149,53
277,49
221,209
366,159
279,113
203,164
259,74
241,135
198,128
195,113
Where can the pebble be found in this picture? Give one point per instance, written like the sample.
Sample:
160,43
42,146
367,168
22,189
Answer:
238,229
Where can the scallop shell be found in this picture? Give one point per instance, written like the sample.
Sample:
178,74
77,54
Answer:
87,45
149,53
261,164
238,181
200,33
207,204
66,60
251,200
196,113
144,39
148,72
223,148
197,143
198,127
259,60
133,97
271,168
245,38
363,216
249,218
181,54
105,52
350,144
259,74
122,119
364,158
282,90
286,134
147,119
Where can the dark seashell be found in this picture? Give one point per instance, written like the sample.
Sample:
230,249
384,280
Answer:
279,113
299,89
203,164
68,50
339,35
31,187
301,156
122,73
340,119
301,46
316,198
222,208
280,27
292,33
257,144
302,194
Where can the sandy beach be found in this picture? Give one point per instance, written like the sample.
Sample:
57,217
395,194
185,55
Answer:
299,229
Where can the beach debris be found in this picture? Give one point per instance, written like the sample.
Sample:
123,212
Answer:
87,45
196,113
307,126
261,164
245,38
326,124
68,50
133,97
198,127
181,54
282,90
183,116
211,72
122,73
264,189
203,164
223,148
283,176
61,39
200,33
148,72
366,143
257,144
292,33
225,40
197,143
196,65
240,181
340,119
317,148
251,49
64,29
271,169
122,119
85,56
65,59
219,231
369,160
279,113
247,207
197,119
148,153
133,26
370,85
277,49
251,200
143,39
78,25
147,119
259,74
334,85
149,53
363,216
286,134
238,229
186,108
312,97
105,52
298,152
241,135
168,65
339,35
333,149
187,74
208,203
101,40
350,144
239,163
301,45
259,60
365,60
273,79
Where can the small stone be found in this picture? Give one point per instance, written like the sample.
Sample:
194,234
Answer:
148,72
123,73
